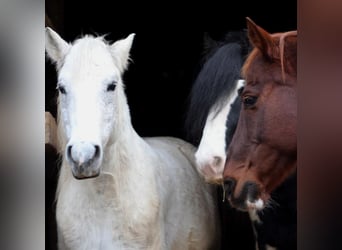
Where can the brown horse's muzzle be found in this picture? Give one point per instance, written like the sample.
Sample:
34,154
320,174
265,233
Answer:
243,195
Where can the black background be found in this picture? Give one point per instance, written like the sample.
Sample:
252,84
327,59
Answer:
166,55
166,50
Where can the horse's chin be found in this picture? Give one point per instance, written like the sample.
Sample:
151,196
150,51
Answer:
83,177
254,200
216,180
211,174
258,204
248,205
85,174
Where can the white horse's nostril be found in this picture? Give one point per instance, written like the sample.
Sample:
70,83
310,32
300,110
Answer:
97,151
217,160
83,153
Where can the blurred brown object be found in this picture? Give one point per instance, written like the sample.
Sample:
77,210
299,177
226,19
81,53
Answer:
50,130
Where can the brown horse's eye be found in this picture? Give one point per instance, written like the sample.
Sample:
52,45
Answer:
249,101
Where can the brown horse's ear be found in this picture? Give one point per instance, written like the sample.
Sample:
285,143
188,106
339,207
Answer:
261,39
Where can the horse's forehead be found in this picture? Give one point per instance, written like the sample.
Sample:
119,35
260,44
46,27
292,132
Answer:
256,68
260,71
88,59
92,49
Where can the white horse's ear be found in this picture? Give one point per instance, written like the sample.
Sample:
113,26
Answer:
120,51
55,46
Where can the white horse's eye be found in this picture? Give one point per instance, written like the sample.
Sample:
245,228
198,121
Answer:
111,86
61,89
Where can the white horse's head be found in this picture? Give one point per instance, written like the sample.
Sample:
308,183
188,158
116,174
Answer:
89,75
211,152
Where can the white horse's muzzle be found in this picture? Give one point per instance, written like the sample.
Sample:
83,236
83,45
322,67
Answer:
84,158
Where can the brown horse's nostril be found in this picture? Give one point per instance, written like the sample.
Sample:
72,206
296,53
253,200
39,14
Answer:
229,185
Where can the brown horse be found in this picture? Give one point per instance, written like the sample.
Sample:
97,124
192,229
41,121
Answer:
263,151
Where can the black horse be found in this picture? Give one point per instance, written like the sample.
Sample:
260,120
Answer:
219,69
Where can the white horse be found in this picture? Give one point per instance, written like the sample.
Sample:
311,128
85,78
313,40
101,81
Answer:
117,190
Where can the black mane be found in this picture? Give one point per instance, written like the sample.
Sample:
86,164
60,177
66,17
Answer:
222,62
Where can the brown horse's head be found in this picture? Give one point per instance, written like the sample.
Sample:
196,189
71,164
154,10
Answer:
263,151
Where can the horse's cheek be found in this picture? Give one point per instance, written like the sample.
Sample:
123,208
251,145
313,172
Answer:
280,128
